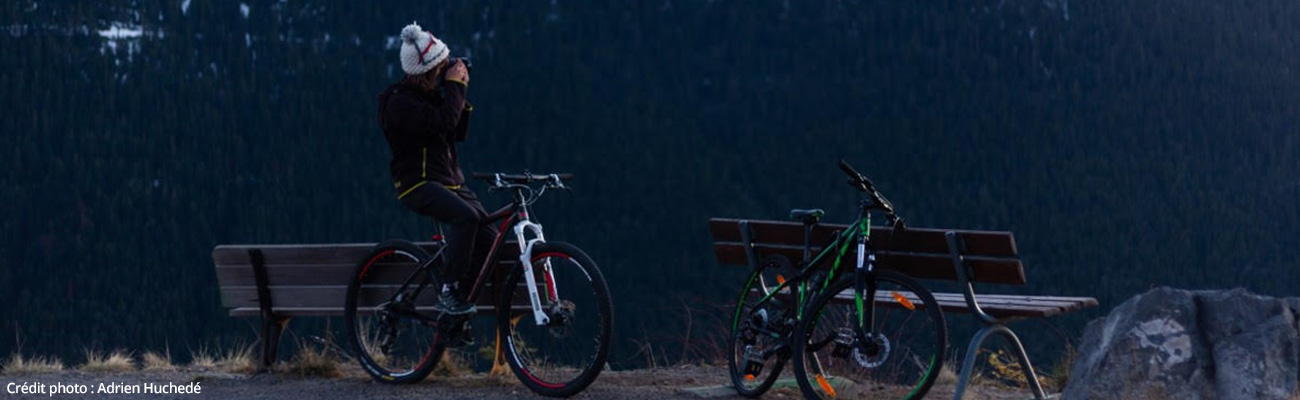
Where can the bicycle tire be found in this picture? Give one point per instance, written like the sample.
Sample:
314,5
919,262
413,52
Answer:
884,357
377,278
744,341
559,359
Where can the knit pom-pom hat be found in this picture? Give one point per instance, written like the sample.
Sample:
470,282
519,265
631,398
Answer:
420,50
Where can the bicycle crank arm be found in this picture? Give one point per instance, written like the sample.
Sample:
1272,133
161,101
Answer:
413,314
819,345
773,351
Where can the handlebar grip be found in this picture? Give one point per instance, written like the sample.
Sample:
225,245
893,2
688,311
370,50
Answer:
848,169
856,178
481,175
565,177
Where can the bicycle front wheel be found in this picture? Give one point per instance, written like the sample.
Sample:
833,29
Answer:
887,343
386,314
561,355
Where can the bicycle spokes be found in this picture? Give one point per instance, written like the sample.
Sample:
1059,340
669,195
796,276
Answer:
391,336
893,353
565,351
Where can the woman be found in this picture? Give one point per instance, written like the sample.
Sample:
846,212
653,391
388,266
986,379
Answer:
423,116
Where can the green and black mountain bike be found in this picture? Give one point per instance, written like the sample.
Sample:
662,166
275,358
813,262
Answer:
827,317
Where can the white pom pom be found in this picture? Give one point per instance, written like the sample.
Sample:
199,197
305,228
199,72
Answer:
411,32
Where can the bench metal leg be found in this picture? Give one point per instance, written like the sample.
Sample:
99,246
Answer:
968,365
272,328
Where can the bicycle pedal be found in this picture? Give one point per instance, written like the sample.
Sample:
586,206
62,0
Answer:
459,336
753,361
461,341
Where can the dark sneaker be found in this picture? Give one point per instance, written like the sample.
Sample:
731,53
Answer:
449,304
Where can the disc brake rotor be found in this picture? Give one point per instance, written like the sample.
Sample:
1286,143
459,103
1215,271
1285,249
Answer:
562,316
873,352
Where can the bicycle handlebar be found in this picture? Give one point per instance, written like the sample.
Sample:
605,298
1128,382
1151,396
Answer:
861,182
857,179
519,178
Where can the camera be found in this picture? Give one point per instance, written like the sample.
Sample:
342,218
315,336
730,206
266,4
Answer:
468,65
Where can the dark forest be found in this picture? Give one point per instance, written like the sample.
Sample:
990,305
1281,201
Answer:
1127,144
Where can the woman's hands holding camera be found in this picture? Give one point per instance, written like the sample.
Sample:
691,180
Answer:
458,72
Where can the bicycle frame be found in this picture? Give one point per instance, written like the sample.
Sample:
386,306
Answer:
861,231
840,246
514,215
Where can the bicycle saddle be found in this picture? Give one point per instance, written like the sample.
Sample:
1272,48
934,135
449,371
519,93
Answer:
807,216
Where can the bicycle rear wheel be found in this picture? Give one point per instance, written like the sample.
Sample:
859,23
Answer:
895,354
387,314
760,333
562,356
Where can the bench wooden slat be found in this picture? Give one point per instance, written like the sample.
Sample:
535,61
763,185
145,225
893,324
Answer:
923,266
915,240
330,297
1058,305
1006,306
346,253
321,274
336,311
996,305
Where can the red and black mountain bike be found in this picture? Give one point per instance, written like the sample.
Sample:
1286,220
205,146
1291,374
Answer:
555,317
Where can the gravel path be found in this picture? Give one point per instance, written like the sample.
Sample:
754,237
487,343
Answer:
646,384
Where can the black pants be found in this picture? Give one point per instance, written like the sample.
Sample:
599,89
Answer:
468,240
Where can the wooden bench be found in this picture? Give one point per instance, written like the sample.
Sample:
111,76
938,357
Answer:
964,256
279,282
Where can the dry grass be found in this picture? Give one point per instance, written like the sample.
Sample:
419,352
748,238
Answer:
19,365
1004,367
237,359
203,359
115,361
155,361
948,374
1060,374
452,363
312,361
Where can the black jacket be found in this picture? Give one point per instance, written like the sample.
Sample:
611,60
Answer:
422,128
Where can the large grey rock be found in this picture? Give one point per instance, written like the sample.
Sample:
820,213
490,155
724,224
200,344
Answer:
1195,345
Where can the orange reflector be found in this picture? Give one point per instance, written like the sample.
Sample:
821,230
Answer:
826,386
749,377
780,280
904,301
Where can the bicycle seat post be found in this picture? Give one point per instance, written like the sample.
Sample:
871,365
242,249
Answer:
437,229
807,239
809,219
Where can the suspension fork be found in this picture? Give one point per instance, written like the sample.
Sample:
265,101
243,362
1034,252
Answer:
526,262
864,290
